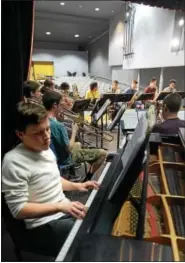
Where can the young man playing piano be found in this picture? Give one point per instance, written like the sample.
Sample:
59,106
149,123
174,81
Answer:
33,188
65,148
170,108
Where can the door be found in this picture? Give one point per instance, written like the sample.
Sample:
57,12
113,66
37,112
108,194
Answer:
42,69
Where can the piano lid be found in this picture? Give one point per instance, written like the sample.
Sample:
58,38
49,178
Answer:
182,136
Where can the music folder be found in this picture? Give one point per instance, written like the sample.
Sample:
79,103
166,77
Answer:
162,95
110,98
117,118
80,105
145,96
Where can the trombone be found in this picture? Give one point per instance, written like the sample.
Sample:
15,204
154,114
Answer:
76,118
85,126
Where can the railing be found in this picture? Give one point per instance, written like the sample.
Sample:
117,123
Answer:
123,86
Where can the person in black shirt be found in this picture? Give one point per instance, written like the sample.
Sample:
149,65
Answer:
171,106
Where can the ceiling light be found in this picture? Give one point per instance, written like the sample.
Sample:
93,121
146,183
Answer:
62,3
76,35
181,22
127,14
48,33
112,11
90,36
80,6
97,9
175,42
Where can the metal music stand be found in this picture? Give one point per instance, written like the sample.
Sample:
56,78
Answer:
80,106
116,121
162,95
108,99
145,96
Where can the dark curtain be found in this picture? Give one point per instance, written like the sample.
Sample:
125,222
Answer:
17,25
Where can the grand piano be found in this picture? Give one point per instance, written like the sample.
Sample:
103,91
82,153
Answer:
138,214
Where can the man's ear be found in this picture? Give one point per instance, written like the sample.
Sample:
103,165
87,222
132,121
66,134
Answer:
165,107
19,134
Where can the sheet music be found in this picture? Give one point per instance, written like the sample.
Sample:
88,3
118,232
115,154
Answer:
130,118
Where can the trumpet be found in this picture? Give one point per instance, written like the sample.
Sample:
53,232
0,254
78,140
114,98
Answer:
84,126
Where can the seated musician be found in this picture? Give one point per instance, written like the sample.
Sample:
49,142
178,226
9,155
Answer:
115,87
171,106
65,148
114,108
31,90
152,88
75,92
132,90
171,87
33,188
93,93
48,85
66,101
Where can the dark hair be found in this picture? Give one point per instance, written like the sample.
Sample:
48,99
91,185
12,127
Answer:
173,81
29,113
135,81
93,85
29,87
50,98
153,79
64,86
48,83
115,81
173,102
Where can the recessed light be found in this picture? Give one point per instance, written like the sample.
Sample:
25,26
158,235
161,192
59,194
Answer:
181,22
175,42
112,11
80,6
97,9
127,14
76,35
62,3
48,33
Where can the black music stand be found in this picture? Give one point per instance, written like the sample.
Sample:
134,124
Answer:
162,95
80,106
108,100
145,96
116,121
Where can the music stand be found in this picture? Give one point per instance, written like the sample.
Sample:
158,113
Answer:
110,98
80,106
162,95
116,121
145,96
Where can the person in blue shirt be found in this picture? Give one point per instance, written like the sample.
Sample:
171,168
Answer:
67,149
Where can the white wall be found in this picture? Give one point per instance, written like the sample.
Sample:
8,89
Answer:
116,29
153,31
72,61
98,57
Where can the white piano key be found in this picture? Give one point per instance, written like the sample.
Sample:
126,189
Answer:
62,254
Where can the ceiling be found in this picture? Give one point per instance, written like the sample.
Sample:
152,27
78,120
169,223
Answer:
74,17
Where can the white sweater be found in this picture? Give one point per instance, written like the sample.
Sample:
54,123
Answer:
29,176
